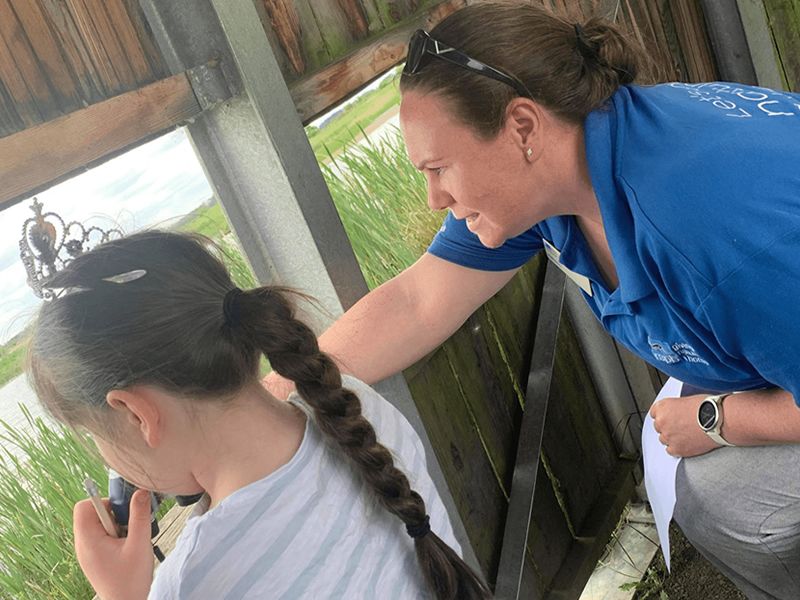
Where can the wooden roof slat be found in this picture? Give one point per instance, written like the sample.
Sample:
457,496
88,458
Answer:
158,68
94,46
105,31
9,119
74,51
129,39
334,28
16,90
356,18
23,57
46,45
286,26
40,156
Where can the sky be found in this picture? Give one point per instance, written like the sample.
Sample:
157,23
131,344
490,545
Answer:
146,186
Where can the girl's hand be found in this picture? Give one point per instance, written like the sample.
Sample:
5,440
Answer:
675,420
117,568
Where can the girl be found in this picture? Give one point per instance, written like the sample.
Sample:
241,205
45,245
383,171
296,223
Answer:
151,348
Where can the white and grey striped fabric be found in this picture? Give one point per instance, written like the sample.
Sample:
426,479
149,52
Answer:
310,529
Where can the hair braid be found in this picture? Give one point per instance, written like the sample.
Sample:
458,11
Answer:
293,352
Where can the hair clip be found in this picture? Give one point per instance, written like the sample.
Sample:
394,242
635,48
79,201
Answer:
126,277
49,293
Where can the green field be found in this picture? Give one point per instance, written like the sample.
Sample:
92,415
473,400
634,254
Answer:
11,357
340,131
209,221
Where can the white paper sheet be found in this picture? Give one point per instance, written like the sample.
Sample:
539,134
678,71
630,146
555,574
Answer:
659,471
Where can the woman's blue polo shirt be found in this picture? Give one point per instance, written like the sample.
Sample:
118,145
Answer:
699,189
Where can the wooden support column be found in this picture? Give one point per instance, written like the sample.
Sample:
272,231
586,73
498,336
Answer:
261,166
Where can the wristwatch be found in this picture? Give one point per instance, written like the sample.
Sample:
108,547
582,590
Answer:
709,417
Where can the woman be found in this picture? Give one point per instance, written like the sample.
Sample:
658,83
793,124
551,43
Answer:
675,208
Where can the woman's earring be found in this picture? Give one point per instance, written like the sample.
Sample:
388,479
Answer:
529,152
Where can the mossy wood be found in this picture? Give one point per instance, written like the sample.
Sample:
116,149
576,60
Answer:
469,394
783,17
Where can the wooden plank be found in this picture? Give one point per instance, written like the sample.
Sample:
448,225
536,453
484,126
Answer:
23,56
660,50
19,104
39,156
285,24
589,547
48,54
98,55
334,29
356,18
691,31
463,459
9,119
322,90
106,35
673,42
784,21
121,22
74,51
158,67
577,444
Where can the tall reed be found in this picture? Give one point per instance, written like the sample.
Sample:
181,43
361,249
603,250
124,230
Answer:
381,199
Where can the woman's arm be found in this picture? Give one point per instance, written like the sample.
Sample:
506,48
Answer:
756,418
401,321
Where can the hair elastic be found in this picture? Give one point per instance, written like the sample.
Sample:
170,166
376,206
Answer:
586,49
421,529
230,307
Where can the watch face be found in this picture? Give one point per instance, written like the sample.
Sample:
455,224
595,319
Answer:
707,416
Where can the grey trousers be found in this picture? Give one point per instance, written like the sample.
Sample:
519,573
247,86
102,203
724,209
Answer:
740,507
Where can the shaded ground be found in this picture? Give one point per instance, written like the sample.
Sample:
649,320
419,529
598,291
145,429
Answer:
692,576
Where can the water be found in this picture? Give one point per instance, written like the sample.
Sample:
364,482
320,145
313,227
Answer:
16,392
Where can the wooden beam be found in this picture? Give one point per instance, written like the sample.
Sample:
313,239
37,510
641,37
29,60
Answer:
319,92
36,158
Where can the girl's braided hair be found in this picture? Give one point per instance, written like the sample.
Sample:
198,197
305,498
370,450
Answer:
168,329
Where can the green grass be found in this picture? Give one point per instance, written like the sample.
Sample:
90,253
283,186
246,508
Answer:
338,133
37,493
381,199
209,221
11,357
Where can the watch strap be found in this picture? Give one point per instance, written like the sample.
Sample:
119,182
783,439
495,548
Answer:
716,433
719,439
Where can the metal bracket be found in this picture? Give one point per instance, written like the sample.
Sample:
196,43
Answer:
209,84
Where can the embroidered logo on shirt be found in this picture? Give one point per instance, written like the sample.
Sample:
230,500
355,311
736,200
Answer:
674,353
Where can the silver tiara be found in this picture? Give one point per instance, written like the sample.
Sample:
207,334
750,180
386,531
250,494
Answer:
49,244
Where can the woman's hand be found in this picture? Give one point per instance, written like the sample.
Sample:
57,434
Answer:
278,386
675,420
117,568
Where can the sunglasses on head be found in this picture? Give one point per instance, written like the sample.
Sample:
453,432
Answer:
422,47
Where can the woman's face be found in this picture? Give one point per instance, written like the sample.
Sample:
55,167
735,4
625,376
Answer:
476,179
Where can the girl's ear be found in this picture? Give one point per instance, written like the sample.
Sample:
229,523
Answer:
140,409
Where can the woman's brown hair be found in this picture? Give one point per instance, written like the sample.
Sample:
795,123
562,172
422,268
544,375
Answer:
570,68
168,329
